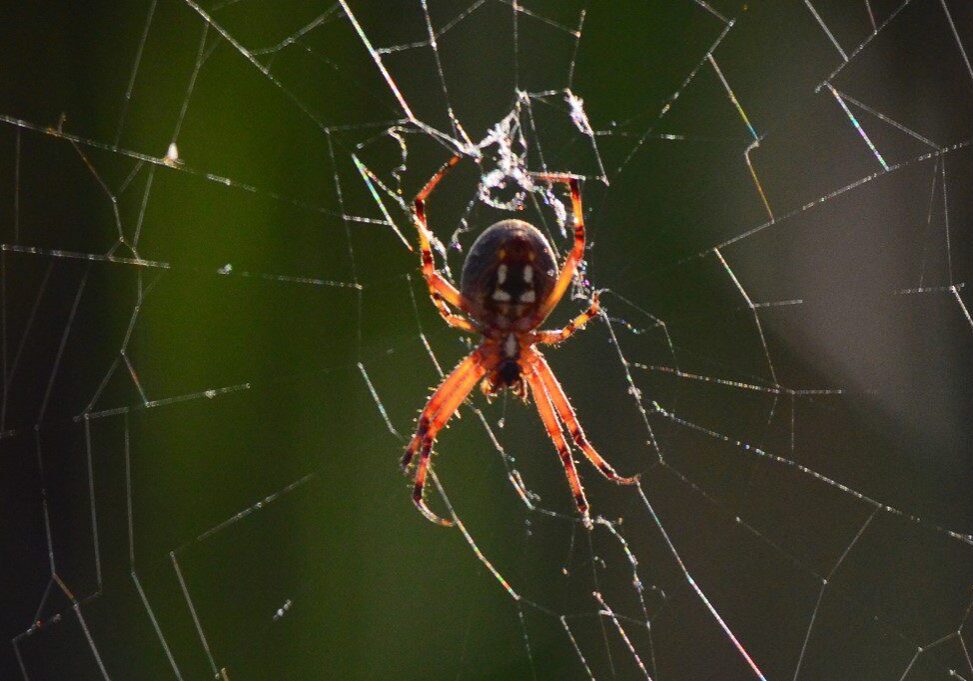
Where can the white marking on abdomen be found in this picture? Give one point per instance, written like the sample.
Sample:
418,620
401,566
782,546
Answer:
510,346
528,296
528,273
501,273
501,295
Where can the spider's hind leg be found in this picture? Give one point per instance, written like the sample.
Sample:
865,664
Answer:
577,250
441,291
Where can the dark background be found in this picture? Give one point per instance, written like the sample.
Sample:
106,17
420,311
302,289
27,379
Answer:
373,590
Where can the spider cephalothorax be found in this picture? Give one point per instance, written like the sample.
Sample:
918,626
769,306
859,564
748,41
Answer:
510,283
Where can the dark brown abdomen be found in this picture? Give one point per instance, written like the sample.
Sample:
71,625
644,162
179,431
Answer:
509,270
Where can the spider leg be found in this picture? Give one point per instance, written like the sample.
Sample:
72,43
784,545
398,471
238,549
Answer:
577,251
570,418
439,421
420,484
441,291
456,380
434,180
454,320
546,411
556,336
437,412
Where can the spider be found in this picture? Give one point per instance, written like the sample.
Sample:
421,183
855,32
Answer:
510,283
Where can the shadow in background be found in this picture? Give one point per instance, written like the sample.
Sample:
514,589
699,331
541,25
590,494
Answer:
191,439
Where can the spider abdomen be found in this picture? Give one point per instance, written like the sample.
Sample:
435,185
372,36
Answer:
510,269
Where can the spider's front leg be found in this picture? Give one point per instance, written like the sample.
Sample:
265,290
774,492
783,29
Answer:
546,411
437,412
570,419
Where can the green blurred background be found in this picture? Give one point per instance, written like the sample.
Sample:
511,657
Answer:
323,568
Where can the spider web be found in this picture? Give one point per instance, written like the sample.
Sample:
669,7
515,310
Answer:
215,339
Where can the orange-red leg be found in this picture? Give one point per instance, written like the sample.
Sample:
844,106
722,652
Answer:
576,324
570,419
454,320
434,180
454,382
437,412
546,411
577,251
440,290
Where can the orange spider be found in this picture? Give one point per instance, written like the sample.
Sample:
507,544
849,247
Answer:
509,285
